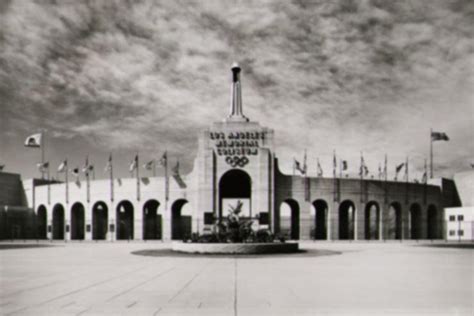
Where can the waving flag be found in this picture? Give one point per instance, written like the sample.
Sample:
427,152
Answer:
164,159
320,170
149,165
63,166
298,167
134,164
43,166
177,176
108,166
33,140
435,136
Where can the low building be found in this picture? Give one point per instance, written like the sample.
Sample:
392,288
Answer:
236,162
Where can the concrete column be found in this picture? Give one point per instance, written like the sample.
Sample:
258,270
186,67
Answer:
167,223
359,229
49,228
305,222
405,222
333,227
88,234
381,226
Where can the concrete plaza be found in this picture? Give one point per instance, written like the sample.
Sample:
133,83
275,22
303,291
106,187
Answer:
365,278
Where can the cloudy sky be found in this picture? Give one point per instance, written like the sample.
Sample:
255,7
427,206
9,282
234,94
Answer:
127,76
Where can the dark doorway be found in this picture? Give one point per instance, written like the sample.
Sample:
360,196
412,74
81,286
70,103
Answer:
346,220
151,220
124,218
99,221
394,221
290,219
415,221
180,224
372,220
58,222
432,222
320,217
234,184
78,221
42,222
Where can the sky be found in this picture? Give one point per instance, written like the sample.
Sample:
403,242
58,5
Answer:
368,77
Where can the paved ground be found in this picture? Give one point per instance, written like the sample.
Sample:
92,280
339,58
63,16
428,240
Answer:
104,278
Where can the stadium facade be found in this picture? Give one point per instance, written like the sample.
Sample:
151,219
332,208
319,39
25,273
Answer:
235,162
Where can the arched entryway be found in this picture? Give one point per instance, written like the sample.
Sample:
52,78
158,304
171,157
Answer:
347,212
99,220
180,223
58,222
41,222
78,221
415,221
235,185
432,222
290,219
372,220
124,220
393,221
320,219
151,220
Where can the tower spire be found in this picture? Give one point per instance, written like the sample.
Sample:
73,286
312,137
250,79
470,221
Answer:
236,113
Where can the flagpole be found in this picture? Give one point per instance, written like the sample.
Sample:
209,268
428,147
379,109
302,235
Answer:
49,187
67,182
431,153
43,144
111,179
138,178
87,179
166,181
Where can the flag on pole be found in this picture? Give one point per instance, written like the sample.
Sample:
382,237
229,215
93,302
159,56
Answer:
149,165
108,166
164,159
320,170
298,166
177,176
435,136
424,178
398,169
75,172
87,167
363,168
63,166
344,165
33,140
385,174
43,166
380,171
334,164
134,164
305,166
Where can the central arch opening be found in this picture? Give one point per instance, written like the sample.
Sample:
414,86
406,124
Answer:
180,222
58,221
372,220
235,185
320,218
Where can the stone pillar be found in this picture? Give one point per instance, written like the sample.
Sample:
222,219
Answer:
49,228
405,222
166,224
305,222
88,222
333,227
359,222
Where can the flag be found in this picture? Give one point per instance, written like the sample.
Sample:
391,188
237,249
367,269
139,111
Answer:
385,174
175,169
33,140
87,167
43,166
334,164
424,178
398,168
363,168
320,170
134,164
164,159
344,165
75,172
63,166
108,166
366,170
439,136
298,167
149,165
380,172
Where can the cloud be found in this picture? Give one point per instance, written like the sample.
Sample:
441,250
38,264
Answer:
353,76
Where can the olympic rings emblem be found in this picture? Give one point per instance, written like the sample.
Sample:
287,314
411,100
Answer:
237,161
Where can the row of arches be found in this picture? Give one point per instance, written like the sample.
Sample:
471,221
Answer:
123,227
289,216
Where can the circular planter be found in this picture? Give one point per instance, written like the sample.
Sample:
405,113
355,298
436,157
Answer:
241,248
